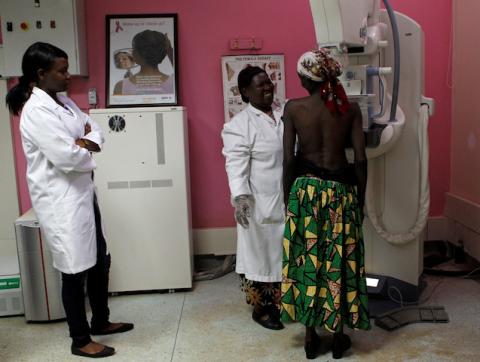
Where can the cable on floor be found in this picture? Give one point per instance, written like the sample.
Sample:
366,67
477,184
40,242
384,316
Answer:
227,267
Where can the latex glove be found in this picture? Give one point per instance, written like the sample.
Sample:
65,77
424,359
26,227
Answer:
242,210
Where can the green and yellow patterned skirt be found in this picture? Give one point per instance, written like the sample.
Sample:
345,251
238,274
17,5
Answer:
323,277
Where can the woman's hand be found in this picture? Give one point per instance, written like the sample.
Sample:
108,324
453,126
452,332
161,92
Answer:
87,144
242,210
81,143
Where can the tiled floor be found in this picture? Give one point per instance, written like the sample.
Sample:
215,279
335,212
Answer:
212,323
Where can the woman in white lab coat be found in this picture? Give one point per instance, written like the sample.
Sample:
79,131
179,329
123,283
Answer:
253,151
58,139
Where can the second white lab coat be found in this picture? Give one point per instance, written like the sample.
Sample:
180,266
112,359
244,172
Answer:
59,177
253,149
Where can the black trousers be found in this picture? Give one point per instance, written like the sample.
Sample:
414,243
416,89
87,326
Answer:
73,292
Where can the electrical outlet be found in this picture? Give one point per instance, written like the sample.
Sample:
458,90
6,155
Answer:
92,96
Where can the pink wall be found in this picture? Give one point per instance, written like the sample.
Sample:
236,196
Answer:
205,28
465,160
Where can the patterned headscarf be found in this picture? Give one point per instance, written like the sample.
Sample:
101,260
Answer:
320,66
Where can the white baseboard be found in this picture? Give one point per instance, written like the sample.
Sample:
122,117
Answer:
217,241
464,211
463,224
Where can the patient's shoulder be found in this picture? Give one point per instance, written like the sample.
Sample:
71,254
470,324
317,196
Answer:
297,103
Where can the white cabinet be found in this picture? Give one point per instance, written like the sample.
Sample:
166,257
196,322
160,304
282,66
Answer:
59,22
10,293
143,191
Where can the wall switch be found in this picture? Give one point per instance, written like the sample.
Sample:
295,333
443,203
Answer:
92,96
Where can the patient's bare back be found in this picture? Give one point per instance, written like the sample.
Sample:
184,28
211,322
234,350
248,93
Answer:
322,136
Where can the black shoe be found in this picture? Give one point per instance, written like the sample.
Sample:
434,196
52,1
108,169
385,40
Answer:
273,311
105,352
124,327
341,343
312,348
270,322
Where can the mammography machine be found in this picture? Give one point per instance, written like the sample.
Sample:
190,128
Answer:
382,54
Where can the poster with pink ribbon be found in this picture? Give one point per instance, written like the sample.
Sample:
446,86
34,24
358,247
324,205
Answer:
141,60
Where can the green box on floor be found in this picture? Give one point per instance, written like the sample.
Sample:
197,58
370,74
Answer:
11,302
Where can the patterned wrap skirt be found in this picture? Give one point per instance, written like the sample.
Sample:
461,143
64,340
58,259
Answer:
323,276
262,295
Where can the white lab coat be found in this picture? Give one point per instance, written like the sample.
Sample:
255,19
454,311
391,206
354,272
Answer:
253,149
59,177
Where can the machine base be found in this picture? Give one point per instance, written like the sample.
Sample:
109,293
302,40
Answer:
387,293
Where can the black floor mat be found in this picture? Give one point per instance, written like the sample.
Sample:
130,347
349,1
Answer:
408,315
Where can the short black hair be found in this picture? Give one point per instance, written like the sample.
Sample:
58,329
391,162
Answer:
151,45
245,78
